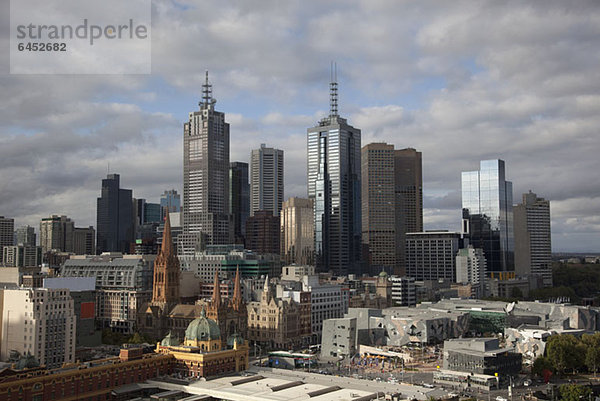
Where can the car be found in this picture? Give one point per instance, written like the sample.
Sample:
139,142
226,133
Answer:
500,398
527,383
427,385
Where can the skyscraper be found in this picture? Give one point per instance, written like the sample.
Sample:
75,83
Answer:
171,200
262,233
25,235
240,199
533,244
56,233
334,186
206,218
114,216
392,203
266,180
297,231
488,214
408,185
7,229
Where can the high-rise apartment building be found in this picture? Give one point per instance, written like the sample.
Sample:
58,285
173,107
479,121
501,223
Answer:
7,228
297,231
25,235
408,185
206,217
239,192
266,180
56,233
488,214
334,186
115,218
533,245
38,321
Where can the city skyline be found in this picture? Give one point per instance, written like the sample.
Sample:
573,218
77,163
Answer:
455,95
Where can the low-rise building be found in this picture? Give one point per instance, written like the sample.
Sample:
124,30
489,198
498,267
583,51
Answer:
403,291
339,338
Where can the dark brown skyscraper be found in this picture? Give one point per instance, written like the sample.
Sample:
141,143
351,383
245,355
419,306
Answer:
392,202
262,232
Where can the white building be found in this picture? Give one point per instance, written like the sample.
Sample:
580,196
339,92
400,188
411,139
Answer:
470,269
38,321
404,291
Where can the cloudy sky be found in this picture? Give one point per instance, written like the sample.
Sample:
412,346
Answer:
461,81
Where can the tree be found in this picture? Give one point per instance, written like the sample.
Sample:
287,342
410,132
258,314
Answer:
540,365
592,355
573,392
565,352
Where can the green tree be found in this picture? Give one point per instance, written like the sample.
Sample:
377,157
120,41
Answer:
565,352
592,354
541,364
573,392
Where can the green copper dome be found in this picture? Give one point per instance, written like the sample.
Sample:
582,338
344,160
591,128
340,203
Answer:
203,329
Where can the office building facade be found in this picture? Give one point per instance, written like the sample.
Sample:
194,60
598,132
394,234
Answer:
7,228
334,186
114,217
533,237
262,232
404,291
266,180
240,199
431,255
470,269
488,214
297,231
56,233
206,216
22,256
170,200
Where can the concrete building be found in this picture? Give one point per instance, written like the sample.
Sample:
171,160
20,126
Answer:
206,211
38,321
533,243
431,255
488,214
339,338
333,181
83,292
263,233
84,241
470,269
22,256
7,228
266,180
239,192
123,284
392,202
403,291
481,356
297,231
114,217
25,235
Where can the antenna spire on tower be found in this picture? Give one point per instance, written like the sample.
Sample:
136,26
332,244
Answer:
333,92
207,98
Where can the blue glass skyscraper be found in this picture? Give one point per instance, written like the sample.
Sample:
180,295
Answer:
488,214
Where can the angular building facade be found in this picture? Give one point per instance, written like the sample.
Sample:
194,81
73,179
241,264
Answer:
266,180
333,180
533,238
206,216
297,231
115,219
240,199
488,214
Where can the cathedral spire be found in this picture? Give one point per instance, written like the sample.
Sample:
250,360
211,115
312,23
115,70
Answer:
237,289
216,297
166,269
166,248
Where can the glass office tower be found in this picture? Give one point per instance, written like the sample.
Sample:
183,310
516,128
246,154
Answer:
334,186
488,214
